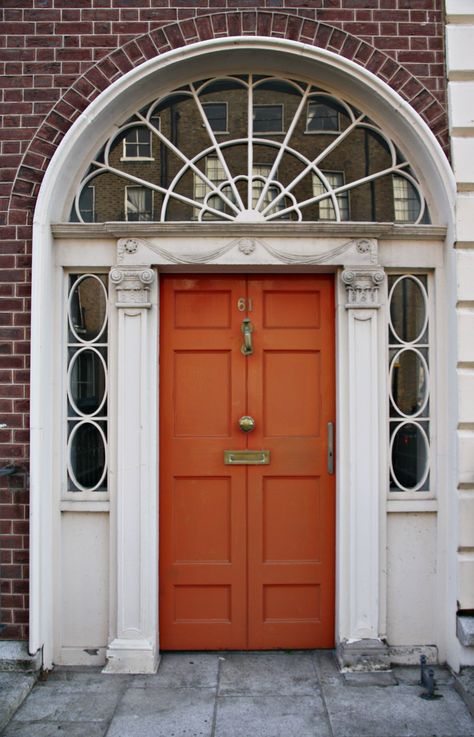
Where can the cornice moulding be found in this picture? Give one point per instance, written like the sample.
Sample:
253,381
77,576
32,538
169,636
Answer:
382,231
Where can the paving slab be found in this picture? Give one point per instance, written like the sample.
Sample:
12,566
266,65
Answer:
56,729
464,685
164,713
14,688
183,670
379,712
287,673
271,716
57,701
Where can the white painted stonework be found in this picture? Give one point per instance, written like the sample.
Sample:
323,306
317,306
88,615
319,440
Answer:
372,586
460,70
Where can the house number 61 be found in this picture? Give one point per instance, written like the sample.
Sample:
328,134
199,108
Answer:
244,304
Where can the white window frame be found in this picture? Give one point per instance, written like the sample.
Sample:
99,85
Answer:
83,495
126,157
433,418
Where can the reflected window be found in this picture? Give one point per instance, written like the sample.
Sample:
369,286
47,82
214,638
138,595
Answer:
138,203
268,118
405,200
87,204
137,143
216,113
263,171
215,172
326,207
321,118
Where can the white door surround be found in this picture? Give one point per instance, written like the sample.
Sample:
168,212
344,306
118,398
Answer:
356,253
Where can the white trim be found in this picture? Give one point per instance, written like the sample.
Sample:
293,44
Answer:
85,136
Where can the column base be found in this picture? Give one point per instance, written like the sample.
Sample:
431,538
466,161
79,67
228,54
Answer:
363,655
131,656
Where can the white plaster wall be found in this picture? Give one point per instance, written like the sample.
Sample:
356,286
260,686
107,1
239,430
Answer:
460,71
84,587
411,579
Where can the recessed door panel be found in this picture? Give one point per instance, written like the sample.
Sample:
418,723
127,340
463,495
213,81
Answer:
246,550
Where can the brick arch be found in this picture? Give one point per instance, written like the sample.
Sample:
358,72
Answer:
276,24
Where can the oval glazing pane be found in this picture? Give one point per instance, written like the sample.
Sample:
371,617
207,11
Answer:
87,381
409,382
87,456
408,313
87,308
409,456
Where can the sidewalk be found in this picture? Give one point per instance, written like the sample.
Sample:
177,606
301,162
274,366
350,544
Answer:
268,694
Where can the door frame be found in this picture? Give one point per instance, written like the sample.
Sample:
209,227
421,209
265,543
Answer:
135,263
360,387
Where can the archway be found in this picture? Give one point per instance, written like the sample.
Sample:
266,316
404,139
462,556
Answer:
160,74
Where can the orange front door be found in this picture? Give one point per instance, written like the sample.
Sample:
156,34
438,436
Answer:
246,551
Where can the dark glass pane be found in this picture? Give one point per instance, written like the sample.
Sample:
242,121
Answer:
267,118
87,309
408,310
87,455
322,117
87,381
87,204
409,382
409,456
216,113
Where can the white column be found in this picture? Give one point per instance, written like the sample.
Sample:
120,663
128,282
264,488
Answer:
360,645
134,647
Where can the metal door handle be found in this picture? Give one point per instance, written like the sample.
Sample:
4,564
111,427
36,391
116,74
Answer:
330,447
247,330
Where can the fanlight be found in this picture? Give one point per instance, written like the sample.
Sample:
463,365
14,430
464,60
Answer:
249,148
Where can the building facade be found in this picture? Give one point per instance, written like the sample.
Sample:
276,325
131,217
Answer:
242,236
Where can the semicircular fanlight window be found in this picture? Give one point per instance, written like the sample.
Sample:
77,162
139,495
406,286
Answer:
249,148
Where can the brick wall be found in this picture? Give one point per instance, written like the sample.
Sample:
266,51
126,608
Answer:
58,55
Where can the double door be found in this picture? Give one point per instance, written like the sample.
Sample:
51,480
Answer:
247,502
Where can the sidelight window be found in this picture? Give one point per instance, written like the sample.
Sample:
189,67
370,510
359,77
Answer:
87,384
409,382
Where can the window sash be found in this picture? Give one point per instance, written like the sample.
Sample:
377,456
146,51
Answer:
326,207
321,118
268,118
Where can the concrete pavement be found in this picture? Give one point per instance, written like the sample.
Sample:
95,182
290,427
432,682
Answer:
267,694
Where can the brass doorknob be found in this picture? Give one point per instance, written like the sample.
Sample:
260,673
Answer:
246,423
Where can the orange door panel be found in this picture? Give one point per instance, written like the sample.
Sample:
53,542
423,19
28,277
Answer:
291,501
246,552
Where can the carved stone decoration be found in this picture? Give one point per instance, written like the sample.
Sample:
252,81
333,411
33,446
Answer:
127,247
132,285
246,246
362,252
368,248
363,287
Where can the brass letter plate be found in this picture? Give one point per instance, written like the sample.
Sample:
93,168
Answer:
246,457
